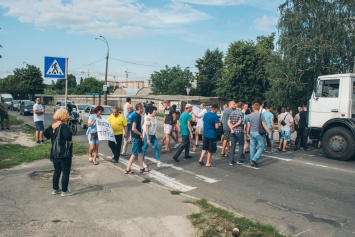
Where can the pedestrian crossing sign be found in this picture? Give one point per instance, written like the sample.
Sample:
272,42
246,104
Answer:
54,67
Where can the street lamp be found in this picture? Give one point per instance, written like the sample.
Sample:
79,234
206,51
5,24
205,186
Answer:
105,40
187,91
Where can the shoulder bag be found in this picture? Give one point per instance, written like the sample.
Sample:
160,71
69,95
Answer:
60,147
262,130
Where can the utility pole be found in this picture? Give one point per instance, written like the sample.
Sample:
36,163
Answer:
127,72
107,55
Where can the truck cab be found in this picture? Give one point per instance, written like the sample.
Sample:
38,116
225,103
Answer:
331,115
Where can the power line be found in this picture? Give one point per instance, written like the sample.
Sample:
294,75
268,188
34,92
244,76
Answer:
87,64
140,64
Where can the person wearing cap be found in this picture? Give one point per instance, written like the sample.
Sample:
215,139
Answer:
169,117
186,133
210,126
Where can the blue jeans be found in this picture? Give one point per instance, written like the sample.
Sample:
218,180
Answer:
256,139
154,142
236,137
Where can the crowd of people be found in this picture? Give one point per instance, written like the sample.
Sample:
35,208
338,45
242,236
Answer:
249,129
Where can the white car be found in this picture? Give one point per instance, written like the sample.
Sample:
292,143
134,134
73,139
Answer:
84,116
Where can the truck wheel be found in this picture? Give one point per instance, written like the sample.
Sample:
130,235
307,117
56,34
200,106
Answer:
338,143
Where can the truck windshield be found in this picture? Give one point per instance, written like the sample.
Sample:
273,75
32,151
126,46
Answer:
8,99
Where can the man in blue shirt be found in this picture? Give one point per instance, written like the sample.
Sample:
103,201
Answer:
210,126
137,140
186,133
130,112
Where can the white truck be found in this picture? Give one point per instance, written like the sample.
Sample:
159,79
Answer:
331,115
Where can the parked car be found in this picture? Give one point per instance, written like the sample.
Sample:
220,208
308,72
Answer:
26,107
15,104
61,104
80,107
84,116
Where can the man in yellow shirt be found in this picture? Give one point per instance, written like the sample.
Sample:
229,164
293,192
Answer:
118,123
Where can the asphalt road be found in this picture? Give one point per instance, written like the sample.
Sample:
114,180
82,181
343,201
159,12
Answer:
301,193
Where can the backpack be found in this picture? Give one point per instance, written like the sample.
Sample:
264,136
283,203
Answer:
60,147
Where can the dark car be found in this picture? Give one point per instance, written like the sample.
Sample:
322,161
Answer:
26,107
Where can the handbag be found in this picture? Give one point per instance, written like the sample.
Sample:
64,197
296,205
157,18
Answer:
60,147
262,130
283,123
94,135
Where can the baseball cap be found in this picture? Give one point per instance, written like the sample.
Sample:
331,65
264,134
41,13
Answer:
188,106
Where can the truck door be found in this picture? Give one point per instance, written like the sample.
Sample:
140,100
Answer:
325,102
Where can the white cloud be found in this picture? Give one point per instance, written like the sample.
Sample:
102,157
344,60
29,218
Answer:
265,23
116,18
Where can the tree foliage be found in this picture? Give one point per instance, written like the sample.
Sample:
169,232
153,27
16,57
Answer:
25,82
171,81
89,85
210,68
316,38
245,76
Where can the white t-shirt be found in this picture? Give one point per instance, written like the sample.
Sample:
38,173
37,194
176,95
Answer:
200,117
35,116
288,120
153,123
125,111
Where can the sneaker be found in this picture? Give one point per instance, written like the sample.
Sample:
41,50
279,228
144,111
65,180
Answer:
38,142
54,192
254,163
8,128
42,141
114,161
3,128
176,145
241,162
187,157
67,193
231,164
159,164
176,159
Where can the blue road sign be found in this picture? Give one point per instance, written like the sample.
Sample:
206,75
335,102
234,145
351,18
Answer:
54,67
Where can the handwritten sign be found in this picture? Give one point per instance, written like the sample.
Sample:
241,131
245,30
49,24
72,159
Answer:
104,130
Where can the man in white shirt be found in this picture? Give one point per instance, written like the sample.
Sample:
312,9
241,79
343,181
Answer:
38,117
125,110
199,126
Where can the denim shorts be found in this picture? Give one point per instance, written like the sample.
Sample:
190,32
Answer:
286,135
93,140
39,126
135,147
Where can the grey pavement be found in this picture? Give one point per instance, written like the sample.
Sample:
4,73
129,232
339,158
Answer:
107,203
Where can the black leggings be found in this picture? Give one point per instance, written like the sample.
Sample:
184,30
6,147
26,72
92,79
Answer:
62,166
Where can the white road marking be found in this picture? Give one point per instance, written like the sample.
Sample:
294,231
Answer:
200,177
162,178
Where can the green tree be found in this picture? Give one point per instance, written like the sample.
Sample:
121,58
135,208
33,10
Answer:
89,85
210,68
245,74
171,81
316,38
60,85
28,81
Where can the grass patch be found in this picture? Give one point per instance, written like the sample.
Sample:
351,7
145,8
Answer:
13,154
175,192
146,180
160,115
213,221
13,120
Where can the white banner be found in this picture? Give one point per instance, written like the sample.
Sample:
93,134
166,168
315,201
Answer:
104,130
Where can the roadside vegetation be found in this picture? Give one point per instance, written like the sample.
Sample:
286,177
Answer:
13,154
218,222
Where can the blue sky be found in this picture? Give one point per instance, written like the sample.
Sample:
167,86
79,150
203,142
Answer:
143,36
